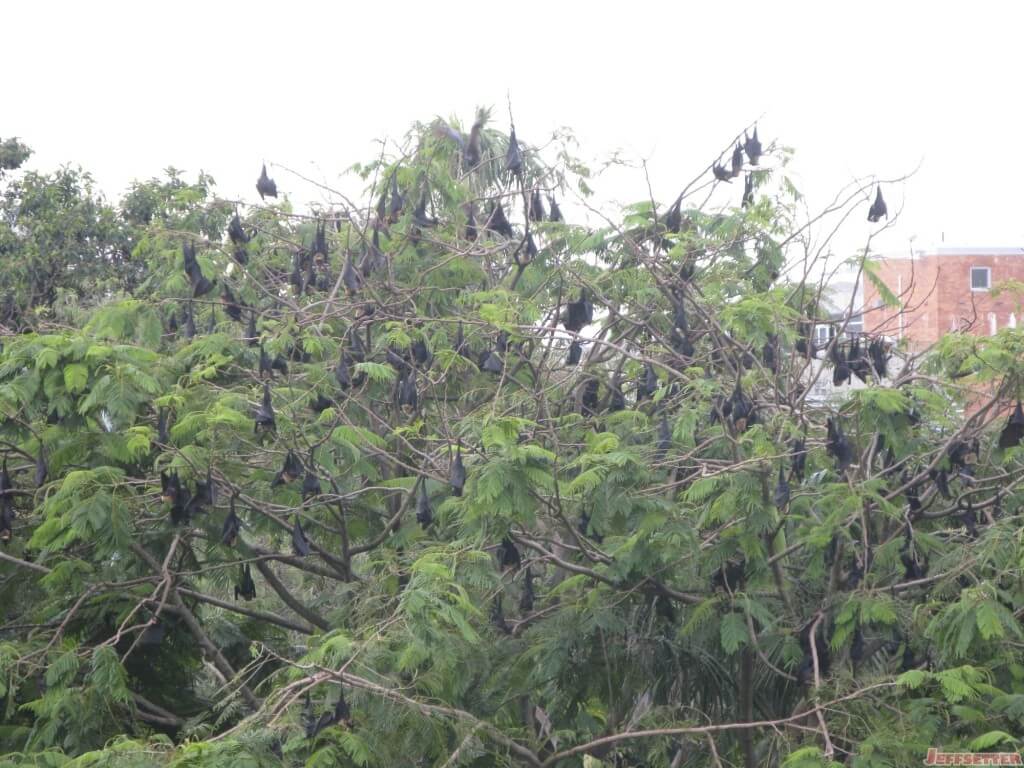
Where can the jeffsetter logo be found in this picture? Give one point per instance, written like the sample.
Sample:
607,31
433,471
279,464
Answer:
935,757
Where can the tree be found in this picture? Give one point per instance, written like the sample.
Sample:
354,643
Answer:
441,478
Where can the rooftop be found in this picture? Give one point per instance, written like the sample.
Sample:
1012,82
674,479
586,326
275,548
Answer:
942,250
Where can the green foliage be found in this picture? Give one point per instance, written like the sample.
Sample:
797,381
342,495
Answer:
619,562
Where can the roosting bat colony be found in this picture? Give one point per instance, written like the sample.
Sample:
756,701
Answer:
445,478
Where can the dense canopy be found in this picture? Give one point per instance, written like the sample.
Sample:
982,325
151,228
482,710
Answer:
440,476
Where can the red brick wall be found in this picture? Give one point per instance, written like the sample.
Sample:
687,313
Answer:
937,292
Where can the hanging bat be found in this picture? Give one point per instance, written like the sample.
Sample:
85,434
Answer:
232,526
153,634
681,344
350,277
649,382
589,398
320,403
781,490
320,240
508,555
617,401
471,154
554,212
840,368
397,200
537,212
579,313
236,232
470,231
373,257
457,473
189,321
527,597
721,173
341,372
290,470
664,438
162,436
172,325
491,362
498,617
407,394
878,208
748,191
941,480
240,255
1012,433
311,483
421,353
859,365
837,446
300,544
382,209
741,409
752,146
913,567
737,160
266,366
460,345
805,671
768,355
731,576
6,518
251,337
231,307
424,512
529,247
419,216
264,416
514,156
575,353
799,460
265,185
497,222
41,468
246,587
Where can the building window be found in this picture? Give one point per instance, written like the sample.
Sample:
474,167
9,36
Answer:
993,325
1012,322
855,326
822,334
981,278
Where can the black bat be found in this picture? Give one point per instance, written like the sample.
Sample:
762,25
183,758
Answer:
674,216
748,191
586,529
153,634
805,671
232,526
419,216
498,617
424,512
879,361
740,409
857,646
41,468
172,325
264,416
799,460
508,555
407,395
578,313
251,337
236,232
768,355
752,146
457,473
941,480
491,362
617,401
460,345
246,587
537,212
300,544
878,208
1013,432
382,209
589,398
840,368
311,483
721,173
471,155
497,222
554,212
6,504
730,576
341,372
421,353
471,230
914,567
212,325
350,277
373,257
397,200
781,490
240,255
265,185
320,403
189,321
737,160
530,247
162,436
859,365
575,353
266,366
527,597
355,345
664,438
837,446
231,306
290,470
513,156
320,240
649,382
681,343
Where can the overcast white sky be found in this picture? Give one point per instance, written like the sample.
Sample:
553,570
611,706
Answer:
125,89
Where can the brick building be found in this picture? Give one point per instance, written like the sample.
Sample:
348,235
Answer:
944,289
